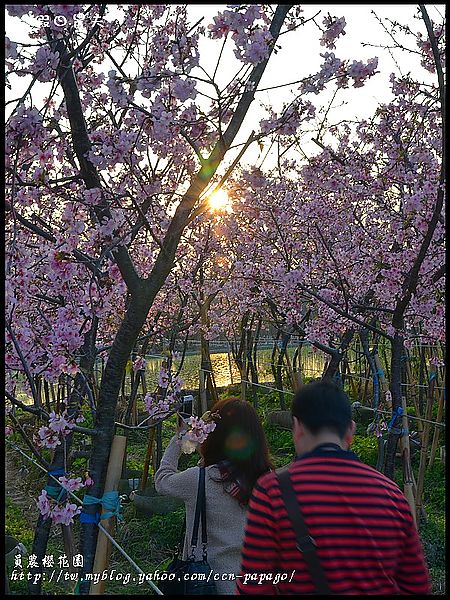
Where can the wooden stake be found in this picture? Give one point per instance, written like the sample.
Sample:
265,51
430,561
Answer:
437,430
414,396
202,393
424,441
408,483
148,457
103,550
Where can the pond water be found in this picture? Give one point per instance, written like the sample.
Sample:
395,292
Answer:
226,371
223,366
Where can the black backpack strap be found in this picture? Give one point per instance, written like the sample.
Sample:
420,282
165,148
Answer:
305,543
203,511
200,510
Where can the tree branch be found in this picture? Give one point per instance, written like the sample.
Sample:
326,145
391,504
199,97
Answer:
82,146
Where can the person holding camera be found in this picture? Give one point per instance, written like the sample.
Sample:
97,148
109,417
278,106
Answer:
235,454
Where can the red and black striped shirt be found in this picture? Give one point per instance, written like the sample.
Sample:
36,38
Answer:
366,538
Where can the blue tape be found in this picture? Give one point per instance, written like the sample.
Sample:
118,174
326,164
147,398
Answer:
110,502
397,413
57,472
58,493
85,518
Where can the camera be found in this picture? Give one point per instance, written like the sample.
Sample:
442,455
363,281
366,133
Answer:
186,408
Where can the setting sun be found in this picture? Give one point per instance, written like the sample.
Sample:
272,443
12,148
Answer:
220,201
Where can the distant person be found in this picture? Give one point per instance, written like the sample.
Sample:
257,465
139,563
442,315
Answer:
235,454
365,536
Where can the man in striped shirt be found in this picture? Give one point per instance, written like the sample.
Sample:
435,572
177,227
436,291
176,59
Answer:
366,539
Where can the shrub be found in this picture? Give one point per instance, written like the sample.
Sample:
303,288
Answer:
366,447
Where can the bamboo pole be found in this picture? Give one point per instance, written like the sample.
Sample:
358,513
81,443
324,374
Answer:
38,384
243,368
424,441
384,387
243,384
202,393
437,430
366,383
230,367
103,550
408,482
53,396
148,457
414,396
385,358
382,377
351,379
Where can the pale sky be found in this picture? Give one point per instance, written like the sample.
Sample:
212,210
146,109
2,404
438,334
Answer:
300,57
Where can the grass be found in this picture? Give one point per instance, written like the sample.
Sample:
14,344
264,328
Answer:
18,526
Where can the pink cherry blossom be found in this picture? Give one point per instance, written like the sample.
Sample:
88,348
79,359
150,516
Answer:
197,434
71,484
44,505
334,28
139,363
65,514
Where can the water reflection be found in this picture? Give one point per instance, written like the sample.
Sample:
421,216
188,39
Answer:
226,371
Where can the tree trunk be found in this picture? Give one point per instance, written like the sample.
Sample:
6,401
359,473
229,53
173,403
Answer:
364,336
279,378
106,412
43,526
397,351
333,366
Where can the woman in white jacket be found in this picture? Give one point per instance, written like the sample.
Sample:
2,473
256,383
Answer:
235,454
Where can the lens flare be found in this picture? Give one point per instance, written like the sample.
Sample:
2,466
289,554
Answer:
239,445
219,201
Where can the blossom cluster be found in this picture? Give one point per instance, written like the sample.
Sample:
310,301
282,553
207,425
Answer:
333,67
59,426
159,405
197,434
139,363
334,28
252,39
62,511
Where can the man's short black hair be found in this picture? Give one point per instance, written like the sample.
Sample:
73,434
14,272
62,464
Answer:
323,405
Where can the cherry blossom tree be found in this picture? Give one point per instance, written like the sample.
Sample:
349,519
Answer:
356,236
80,195
110,240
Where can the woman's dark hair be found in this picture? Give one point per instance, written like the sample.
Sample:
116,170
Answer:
239,440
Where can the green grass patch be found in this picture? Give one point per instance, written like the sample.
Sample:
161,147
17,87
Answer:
434,487
366,448
17,526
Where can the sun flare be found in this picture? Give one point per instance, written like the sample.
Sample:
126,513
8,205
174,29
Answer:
220,201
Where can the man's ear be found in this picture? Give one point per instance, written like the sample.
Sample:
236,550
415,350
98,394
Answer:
350,433
297,428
